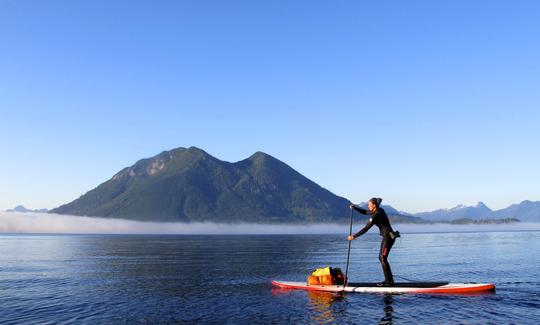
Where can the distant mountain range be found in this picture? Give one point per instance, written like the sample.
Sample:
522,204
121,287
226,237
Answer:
188,184
525,211
20,208
480,211
397,216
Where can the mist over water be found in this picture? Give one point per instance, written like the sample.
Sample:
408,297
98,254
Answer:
14,222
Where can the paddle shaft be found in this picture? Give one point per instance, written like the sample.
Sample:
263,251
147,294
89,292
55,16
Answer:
348,253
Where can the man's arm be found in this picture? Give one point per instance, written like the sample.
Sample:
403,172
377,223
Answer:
365,229
362,211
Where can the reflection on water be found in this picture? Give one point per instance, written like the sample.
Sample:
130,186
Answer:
320,306
328,307
388,310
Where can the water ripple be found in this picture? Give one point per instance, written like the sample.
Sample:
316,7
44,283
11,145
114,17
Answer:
226,279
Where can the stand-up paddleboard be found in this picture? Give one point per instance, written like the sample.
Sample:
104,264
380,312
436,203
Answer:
411,287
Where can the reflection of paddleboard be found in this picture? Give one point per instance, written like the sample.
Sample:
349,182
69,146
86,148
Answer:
412,287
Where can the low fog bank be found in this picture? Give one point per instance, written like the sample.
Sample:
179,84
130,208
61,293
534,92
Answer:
14,222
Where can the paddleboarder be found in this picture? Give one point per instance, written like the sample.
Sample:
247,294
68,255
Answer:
380,219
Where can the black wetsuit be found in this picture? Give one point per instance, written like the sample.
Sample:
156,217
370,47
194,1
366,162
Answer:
380,219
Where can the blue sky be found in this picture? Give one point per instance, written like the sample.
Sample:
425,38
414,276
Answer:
427,104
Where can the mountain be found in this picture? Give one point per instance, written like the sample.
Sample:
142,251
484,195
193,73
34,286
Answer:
397,216
467,221
20,208
525,211
390,210
480,211
191,185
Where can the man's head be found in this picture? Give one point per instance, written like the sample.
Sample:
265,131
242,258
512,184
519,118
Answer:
373,203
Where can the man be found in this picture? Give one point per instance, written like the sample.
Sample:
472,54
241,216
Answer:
380,219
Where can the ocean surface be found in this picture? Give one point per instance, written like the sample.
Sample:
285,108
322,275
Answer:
104,279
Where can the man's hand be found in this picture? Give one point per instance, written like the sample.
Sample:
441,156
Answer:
350,238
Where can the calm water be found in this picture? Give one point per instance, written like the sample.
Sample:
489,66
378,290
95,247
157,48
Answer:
226,279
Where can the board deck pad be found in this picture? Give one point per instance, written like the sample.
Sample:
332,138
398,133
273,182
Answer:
406,287
401,285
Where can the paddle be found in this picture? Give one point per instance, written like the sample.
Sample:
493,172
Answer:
348,254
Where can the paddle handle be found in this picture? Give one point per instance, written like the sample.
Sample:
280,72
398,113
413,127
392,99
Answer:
348,253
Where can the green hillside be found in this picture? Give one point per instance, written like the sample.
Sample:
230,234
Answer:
191,185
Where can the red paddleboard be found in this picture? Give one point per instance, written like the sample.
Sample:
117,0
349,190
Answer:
411,287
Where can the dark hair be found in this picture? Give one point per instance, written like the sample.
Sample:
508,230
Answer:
376,200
